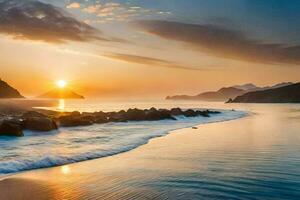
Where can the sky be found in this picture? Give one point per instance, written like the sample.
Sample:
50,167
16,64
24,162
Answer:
148,48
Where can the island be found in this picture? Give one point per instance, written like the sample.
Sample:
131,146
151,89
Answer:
61,93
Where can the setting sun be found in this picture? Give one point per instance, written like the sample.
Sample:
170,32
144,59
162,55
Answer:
61,83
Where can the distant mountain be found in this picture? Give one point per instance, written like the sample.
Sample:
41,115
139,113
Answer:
247,87
221,95
277,85
227,92
285,94
6,91
251,87
61,93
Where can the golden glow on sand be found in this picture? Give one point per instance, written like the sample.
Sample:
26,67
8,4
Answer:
61,83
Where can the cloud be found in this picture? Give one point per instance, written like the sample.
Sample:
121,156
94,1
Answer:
147,61
73,5
34,20
111,11
222,42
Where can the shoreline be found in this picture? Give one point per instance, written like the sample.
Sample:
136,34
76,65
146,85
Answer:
237,159
244,114
106,172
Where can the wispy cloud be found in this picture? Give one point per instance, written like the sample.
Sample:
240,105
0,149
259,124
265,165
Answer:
34,20
147,61
74,5
113,11
222,42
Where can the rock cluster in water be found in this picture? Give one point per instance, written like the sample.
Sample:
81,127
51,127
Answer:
50,120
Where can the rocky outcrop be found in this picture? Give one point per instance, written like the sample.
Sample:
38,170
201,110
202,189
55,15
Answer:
152,114
71,121
47,121
6,91
38,122
11,128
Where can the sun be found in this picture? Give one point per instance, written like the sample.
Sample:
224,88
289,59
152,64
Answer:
61,83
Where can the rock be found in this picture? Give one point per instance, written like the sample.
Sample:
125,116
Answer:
117,118
229,101
11,128
190,113
33,114
176,111
69,121
203,113
40,124
135,115
153,114
75,113
100,117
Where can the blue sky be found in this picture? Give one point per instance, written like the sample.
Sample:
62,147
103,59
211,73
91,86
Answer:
270,20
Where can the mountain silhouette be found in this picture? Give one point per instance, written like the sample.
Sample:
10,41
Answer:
61,93
6,91
285,94
221,95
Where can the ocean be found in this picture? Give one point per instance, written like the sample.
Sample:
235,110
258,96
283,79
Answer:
69,145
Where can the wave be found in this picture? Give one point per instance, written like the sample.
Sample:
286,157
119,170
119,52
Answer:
71,145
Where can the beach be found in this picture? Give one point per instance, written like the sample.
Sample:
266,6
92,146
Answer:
255,157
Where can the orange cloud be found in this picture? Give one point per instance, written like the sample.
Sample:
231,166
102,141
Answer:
74,5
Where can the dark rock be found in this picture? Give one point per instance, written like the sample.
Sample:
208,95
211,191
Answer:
100,119
70,120
176,111
40,124
160,114
33,114
75,113
190,113
11,128
229,100
203,113
135,115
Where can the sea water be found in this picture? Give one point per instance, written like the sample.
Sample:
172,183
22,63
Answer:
68,145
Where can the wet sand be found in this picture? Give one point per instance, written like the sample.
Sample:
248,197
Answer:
218,160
